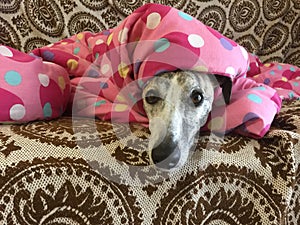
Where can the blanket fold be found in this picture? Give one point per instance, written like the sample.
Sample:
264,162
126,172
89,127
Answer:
108,69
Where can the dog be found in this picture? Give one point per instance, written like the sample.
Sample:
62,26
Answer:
86,73
178,104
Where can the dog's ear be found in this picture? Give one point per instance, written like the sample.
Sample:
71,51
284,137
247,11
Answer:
226,84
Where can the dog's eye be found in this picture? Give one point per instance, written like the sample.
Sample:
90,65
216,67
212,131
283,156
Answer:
152,97
196,97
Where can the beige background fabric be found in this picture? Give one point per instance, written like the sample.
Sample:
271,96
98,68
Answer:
267,28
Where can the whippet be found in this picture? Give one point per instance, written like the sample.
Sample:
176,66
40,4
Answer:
178,105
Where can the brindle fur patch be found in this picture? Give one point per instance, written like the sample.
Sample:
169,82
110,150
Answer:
175,116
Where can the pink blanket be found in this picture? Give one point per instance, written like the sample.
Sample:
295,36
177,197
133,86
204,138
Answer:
107,72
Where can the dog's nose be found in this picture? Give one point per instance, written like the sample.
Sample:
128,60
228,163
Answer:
166,155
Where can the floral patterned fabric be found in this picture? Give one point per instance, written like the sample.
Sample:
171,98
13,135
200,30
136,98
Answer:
84,171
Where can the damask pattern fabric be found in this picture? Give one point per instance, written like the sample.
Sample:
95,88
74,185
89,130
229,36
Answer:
267,28
83,171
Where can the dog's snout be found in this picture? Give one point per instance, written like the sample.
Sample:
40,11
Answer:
166,155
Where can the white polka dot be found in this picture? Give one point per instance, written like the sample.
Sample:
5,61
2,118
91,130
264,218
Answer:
99,42
230,70
44,79
17,112
201,68
153,20
6,51
105,68
123,34
121,107
195,40
244,53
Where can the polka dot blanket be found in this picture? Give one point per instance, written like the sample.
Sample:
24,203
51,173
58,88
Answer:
107,72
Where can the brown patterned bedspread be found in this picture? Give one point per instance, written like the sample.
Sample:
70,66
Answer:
84,171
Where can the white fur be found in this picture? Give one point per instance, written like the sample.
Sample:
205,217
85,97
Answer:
174,114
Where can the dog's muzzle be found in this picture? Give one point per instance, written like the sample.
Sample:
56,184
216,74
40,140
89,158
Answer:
166,155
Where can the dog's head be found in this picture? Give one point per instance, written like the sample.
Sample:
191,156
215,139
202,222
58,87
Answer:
177,105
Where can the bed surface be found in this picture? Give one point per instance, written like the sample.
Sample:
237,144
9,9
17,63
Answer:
84,171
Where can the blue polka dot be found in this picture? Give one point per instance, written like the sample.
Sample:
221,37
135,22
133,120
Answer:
101,102
33,55
93,73
141,83
250,116
132,98
260,88
103,85
267,81
106,32
254,98
137,66
291,94
279,67
272,72
13,78
292,69
76,50
47,109
161,45
296,84
226,44
47,55
185,16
